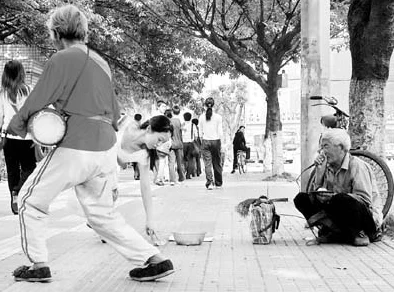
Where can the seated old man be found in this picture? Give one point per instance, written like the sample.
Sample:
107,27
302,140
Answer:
348,212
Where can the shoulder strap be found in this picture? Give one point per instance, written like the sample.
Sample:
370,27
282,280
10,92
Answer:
14,107
76,81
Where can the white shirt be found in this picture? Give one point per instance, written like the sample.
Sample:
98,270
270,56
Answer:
187,134
128,127
7,111
212,129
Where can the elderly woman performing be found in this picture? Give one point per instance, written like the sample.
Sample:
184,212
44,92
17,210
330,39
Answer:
86,157
346,212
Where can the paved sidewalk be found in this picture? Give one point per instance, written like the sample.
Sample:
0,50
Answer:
80,262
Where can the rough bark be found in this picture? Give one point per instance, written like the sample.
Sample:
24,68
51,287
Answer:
367,121
371,31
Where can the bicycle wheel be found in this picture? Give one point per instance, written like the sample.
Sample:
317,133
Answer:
384,178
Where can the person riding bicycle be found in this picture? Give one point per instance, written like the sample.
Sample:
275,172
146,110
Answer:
349,213
239,143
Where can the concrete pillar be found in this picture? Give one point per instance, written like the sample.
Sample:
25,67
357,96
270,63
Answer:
315,76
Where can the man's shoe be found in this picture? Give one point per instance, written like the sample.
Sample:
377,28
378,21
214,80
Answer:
361,239
209,185
24,273
233,171
14,203
151,272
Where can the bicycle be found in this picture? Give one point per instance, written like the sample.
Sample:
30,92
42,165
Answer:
241,158
383,175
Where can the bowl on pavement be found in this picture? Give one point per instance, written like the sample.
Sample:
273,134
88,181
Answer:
189,238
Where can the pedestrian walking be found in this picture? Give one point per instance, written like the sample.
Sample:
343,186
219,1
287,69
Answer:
211,131
190,145
176,154
85,158
162,151
199,144
19,152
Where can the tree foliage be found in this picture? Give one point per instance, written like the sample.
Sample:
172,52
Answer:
144,56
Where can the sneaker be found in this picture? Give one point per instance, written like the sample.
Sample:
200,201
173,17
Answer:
159,183
151,272
172,183
14,203
209,186
361,239
233,171
219,187
24,273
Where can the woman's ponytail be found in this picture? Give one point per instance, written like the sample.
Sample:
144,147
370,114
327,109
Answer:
208,114
209,103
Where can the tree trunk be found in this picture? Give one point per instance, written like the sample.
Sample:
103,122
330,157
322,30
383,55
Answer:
367,122
371,31
239,114
277,153
273,123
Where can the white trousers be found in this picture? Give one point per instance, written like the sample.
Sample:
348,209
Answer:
93,175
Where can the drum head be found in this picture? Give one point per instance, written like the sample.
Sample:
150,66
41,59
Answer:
47,127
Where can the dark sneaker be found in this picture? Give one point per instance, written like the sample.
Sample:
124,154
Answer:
14,203
361,239
233,171
151,272
159,183
24,273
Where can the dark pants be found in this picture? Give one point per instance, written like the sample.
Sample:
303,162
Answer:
198,163
136,171
176,157
212,159
189,156
349,215
20,162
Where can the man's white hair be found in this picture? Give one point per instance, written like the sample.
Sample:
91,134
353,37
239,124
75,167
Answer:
337,137
69,22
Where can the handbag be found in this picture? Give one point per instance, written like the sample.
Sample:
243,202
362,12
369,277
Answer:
56,120
264,220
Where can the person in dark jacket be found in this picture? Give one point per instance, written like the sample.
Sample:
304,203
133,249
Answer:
239,143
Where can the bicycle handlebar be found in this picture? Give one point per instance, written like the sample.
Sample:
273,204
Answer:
330,101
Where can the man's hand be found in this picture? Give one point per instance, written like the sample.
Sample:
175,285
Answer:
150,227
321,164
